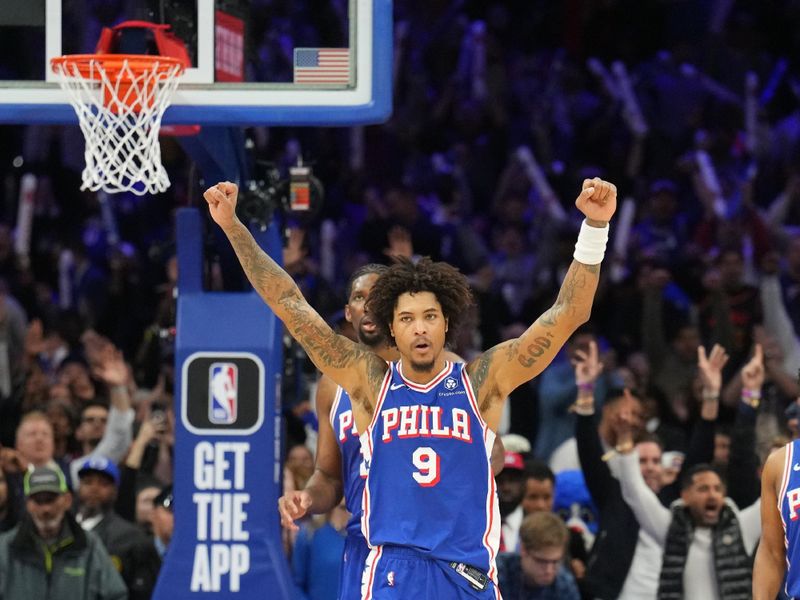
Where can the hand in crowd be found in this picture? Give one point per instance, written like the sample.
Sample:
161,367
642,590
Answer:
12,461
147,432
753,372
587,365
111,368
162,421
710,368
625,424
95,346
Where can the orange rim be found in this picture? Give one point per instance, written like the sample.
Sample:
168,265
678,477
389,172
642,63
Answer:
113,64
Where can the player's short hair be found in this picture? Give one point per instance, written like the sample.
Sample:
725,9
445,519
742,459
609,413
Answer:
368,269
444,281
542,530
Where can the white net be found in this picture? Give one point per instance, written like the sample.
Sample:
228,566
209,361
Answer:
120,103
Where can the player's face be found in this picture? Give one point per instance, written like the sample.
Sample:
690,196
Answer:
538,496
419,329
540,566
355,311
650,464
705,498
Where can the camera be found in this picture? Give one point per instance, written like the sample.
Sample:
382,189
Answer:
300,195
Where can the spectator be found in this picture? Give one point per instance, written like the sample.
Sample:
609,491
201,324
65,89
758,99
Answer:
63,417
539,484
138,489
730,310
34,448
106,431
538,572
510,491
317,555
539,496
298,467
586,381
163,520
132,554
557,390
35,442
8,517
696,525
625,558
145,501
48,555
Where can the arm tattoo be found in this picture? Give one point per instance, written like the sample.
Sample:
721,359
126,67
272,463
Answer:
535,349
480,374
324,346
265,275
574,297
576,293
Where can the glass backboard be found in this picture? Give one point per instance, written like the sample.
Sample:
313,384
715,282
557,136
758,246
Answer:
312,62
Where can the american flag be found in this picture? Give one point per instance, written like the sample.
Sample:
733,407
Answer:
321,65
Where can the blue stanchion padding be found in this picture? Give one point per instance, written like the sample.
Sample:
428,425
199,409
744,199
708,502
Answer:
227,540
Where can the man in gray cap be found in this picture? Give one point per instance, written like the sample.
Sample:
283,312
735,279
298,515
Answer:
48,555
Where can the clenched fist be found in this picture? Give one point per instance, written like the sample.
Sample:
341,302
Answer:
221,200
597,200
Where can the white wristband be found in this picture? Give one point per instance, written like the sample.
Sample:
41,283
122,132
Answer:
591,245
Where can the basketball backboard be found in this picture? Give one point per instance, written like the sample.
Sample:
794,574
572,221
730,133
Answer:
321,62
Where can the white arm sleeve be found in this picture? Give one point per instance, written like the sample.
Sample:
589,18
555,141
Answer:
118,436
653,517
750,524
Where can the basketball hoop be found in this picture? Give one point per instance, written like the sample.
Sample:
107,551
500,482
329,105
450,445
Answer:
120,100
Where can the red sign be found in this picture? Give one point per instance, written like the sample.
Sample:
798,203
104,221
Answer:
228,48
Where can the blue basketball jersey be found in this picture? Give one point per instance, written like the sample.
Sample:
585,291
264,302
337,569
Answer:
789,507
354,471
430,485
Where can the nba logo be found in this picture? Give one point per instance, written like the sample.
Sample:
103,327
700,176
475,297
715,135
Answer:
223,393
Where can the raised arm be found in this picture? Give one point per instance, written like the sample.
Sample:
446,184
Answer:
357,370
501,369
650,514
770,564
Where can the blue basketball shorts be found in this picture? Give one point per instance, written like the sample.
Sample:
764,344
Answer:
353,561
399,573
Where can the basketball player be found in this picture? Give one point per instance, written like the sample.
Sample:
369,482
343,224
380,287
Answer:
778,551
427,425
339,467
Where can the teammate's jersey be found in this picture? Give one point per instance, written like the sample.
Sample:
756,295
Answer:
430,485
789,507
354,472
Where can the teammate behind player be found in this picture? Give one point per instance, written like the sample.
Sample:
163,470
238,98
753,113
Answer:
428,425
339,468
778,553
